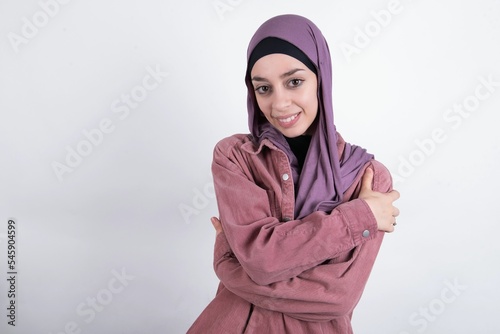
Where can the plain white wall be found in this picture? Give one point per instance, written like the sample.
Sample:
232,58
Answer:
119,241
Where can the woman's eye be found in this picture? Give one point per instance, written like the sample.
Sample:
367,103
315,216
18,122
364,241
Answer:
295,82
262,89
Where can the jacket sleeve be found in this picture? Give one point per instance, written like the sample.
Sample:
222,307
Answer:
321,293
272,251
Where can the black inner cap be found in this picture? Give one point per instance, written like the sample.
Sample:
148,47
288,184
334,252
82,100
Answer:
270,45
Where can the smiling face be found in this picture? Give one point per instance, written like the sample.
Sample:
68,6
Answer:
286,92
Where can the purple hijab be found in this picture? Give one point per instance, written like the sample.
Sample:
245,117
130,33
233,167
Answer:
325,176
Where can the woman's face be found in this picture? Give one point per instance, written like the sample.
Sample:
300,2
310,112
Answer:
286,92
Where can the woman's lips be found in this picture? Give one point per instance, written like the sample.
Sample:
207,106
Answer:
288,121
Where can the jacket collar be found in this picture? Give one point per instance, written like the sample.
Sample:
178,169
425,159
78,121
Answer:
251,147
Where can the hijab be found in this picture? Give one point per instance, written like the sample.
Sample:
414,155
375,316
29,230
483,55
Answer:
325,175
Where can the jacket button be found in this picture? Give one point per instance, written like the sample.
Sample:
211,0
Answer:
285,177
286,219
366,233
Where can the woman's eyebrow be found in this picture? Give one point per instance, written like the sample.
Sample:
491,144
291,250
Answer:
291,72
284,75
256,78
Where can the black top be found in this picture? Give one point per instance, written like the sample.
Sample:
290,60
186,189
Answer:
299,146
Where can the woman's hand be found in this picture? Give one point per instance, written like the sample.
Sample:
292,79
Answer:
217,225
381,204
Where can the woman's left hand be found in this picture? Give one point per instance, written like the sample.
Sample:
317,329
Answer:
217,225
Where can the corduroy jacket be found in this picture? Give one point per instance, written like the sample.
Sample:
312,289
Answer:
279,274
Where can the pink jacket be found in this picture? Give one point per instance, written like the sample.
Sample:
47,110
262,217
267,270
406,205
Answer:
280,275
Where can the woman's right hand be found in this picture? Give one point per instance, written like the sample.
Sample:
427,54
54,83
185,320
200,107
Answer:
381,204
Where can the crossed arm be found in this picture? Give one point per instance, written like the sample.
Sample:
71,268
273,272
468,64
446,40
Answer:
323,291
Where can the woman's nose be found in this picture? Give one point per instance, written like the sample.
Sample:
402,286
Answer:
281,100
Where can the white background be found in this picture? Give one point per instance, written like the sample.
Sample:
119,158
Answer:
139,203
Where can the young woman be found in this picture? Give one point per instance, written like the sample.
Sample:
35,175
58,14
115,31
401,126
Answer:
302,212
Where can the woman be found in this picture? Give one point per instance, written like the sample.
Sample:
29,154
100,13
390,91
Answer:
302,212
